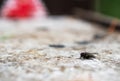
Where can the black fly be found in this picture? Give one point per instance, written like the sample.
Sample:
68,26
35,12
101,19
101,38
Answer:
87,55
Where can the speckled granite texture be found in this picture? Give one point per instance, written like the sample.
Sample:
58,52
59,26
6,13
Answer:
26,54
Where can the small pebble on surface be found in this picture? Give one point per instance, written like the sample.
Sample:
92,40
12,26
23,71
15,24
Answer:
82,42
99,36
56,46
42,29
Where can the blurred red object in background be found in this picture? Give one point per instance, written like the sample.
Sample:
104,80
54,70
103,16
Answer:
19,9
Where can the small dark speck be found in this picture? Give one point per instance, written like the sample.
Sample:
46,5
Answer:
82,42
57,46
87,55
99,36
42,29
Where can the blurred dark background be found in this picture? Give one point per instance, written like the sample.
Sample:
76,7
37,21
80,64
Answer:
58,7
84,9
1,3
67,6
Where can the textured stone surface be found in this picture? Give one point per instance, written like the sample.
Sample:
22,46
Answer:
25,54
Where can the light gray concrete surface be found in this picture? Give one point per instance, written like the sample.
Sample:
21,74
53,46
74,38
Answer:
25,54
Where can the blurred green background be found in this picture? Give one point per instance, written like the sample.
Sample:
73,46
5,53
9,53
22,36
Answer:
108,7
